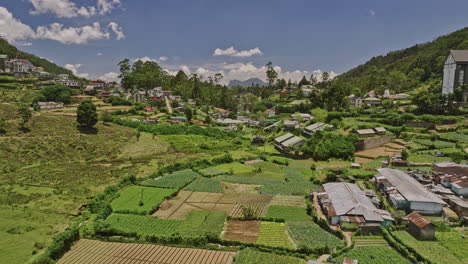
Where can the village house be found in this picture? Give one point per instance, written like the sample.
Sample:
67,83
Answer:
454,176
64,79
149,109
364,133
270,112
308,131
458,205
19,66
348,205
406,193
350,261
420,227
49,105
455,72
303,116
146,120
99,85
167,93
290,125
370,101
178,119
191,102
355,101
287,142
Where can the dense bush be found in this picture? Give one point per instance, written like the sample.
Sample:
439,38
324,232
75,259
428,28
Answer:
54,93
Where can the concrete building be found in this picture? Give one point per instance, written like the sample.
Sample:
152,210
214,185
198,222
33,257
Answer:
19,66
420,227
355,100
49,105
455,72
347,205
406,193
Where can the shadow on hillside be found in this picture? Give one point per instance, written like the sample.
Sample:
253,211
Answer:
25,129
89,131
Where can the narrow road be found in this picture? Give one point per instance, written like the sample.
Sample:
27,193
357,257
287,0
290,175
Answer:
168,105
323,258
317,208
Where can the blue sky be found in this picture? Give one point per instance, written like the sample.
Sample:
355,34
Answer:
299,36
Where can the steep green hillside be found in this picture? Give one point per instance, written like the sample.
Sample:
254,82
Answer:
404,70
12,52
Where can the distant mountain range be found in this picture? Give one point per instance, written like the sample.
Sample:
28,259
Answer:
249,82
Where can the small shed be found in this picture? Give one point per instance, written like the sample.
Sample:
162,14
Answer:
380,130
362,133
420,227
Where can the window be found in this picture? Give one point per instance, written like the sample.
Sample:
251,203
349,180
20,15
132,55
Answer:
461,77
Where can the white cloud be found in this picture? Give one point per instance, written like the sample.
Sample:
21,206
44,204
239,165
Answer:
13,29
244,71
74,69
99,54
72,35
68,9
16,32
231,51
117,30
372,12
146,58
110,77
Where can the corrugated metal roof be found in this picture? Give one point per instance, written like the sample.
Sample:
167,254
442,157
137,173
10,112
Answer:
460,55
292,141
380,129
314,126
411,189
283,137
418,220
365,131
348,199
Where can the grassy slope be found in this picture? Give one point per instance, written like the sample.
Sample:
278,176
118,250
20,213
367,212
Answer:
70,167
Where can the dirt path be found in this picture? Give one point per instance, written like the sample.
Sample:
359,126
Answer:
168,105
323,258
348,237
317,208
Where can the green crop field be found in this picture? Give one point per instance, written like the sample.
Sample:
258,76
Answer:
311,235
142,224
250,180
203,222
205,185
129,199
273,234
195,224
455,243
455,137
249,256
288,213
211,171
432,250
374,255
235,168
174,180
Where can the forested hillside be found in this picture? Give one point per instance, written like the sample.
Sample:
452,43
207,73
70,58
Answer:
12,52
406,69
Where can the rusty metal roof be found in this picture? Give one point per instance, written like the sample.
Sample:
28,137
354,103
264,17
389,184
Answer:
418,220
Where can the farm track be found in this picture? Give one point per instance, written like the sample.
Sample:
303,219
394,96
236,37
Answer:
96,252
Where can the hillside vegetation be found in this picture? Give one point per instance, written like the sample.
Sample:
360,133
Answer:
406,69
13,52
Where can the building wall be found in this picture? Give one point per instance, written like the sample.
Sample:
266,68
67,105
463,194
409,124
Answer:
460,191
371,143
426,233
426,208
449,75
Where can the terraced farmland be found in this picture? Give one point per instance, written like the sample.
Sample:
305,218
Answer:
175,180
130,198
370,241
273,234
96,252
249,256
374,255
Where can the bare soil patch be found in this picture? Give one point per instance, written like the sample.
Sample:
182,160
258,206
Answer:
185,202
245,231
240,188
258,209
377,152
288,200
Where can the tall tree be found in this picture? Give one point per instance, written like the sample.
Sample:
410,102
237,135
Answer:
303,81
86,114
271,74
25,115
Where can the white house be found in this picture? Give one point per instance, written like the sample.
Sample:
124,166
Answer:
49,105
19,66
455,72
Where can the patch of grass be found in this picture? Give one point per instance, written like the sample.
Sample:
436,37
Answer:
174,180
142,224
273,234
309,234
203,222
432,250
235,168
211,171
250,256
288,213
140,200
205,185
374,255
